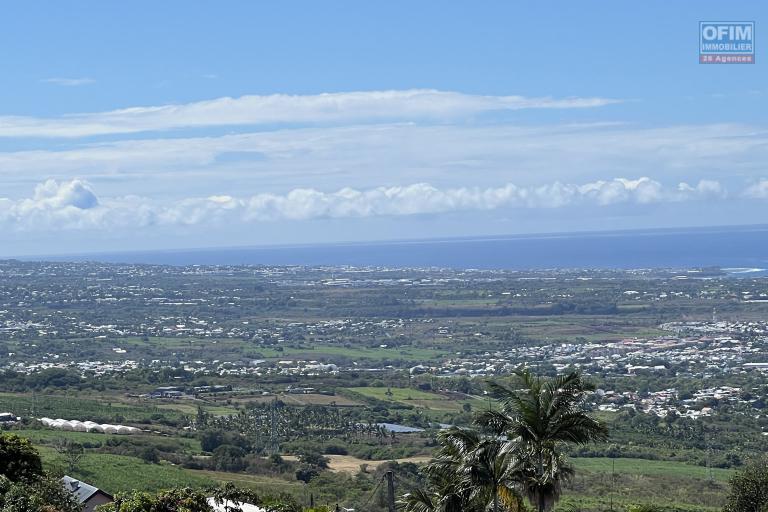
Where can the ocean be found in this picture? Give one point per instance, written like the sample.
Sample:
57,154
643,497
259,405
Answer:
744,250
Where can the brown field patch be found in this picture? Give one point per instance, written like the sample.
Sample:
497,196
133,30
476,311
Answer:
351,465
318,399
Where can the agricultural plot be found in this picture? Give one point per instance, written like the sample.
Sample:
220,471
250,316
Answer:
317,399
656,468
118,473
423,399
81,408
43,437
354,352
636,481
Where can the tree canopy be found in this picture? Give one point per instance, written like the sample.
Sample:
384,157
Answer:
749,489
19,460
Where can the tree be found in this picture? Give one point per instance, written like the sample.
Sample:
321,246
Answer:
71,451
306,473
41,494
211,439
446,489
313,458
174,500
230,496
493,474
469,473
228,458
183,500
150,455
538,417
18,458
749,489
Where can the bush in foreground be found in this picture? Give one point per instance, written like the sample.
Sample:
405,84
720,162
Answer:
749,489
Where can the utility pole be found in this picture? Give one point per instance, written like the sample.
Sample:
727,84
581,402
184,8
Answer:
613,480
390,491
709,453
274,447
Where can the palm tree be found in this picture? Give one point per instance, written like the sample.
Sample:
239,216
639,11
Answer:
494,473
446,487
538,420
434,499
469,473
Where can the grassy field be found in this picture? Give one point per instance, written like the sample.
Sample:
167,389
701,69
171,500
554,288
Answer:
82,408
189,408
397,394
408,353
115,409
45,436
260,483
659,468
118,473
435,402
317,399
637,481
587,326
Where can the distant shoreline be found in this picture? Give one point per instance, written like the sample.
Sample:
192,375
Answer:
740,249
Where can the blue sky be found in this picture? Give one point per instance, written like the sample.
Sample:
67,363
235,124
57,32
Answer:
150,125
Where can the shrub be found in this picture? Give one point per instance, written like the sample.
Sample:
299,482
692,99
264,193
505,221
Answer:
336,449
749,489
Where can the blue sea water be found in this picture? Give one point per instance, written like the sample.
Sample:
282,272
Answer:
742,249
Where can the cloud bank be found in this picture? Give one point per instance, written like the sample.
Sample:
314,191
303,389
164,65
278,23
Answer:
74,204
366,106
367,156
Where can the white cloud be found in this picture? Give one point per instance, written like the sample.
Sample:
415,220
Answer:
367,156
74,204
69,82
280,108
53,205
758,190
75,193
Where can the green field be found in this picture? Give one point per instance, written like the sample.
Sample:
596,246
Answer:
44,436
118,473
435,402
81,408
650,468
113,409
259,483
637,481
397,394
409,353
